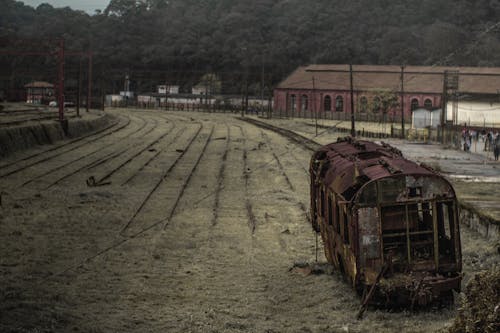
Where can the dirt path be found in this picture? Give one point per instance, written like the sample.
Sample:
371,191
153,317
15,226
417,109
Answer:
192,225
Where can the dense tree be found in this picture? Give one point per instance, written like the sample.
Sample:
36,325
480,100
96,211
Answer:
237,39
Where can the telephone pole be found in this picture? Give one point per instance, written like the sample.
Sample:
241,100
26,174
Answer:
60,97
353,128
402,103
314,108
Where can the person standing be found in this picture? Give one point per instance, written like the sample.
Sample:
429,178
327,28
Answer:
496,148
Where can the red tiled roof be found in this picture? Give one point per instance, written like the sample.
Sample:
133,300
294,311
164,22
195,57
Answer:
418,79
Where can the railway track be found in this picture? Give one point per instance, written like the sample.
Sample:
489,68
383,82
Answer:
220,177
188,179
70,142
152,158
164,176
251,219
86,166
306,143
113,155
107,157
57,154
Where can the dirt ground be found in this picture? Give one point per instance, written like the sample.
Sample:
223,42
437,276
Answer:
176,222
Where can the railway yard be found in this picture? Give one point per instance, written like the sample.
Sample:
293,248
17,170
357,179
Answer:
192,222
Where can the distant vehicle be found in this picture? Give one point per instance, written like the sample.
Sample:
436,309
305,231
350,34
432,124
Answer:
389,225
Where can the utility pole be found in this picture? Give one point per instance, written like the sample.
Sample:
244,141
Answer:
245,102
402,103
89,83
262,88
353,128
60,98
79,92
166,93
314,108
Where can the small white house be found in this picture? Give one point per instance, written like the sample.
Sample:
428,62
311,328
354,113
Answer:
114,99
127,94
200,90
423,118
170,89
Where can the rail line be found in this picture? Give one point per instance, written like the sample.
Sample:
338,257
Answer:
130,159
83,137
301,205
220,177
188,179
59,153
69,163
85,166
114,155
160,181
307,143
156,154
252,220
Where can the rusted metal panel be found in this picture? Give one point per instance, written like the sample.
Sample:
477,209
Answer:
396,222
369,234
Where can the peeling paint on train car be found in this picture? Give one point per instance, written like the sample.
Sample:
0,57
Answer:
386,222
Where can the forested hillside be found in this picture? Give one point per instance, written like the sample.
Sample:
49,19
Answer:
192,37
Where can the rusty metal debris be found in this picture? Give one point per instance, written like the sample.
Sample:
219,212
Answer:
381,214
92,182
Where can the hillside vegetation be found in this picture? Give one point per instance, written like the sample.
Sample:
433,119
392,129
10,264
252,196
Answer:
239,38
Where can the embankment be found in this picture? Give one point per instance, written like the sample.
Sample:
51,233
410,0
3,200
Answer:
29,134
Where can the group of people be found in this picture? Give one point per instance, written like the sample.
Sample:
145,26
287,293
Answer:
491,140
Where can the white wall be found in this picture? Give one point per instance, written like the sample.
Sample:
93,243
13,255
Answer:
476,113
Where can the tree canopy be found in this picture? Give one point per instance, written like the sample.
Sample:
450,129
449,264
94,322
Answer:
239,39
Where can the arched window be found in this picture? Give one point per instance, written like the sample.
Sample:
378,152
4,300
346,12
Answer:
327,103
376,104
305,103
293,102
363,104
414,104
428,104
339,104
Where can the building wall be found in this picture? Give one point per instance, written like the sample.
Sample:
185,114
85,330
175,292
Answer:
162,89
38,95
283,100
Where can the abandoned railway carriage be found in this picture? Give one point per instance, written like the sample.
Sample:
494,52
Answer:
388,224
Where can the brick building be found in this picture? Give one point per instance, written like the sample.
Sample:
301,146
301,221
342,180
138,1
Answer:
326,89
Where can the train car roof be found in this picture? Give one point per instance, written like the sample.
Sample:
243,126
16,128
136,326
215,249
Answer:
348,164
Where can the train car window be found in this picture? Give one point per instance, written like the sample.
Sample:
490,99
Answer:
446,227
323,205
390,189
337,216
346,226
330,210
369,195
369,233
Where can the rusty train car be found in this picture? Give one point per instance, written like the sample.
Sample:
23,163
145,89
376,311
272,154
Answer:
388,224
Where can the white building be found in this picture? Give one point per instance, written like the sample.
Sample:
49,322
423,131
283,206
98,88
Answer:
171,89
475,113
